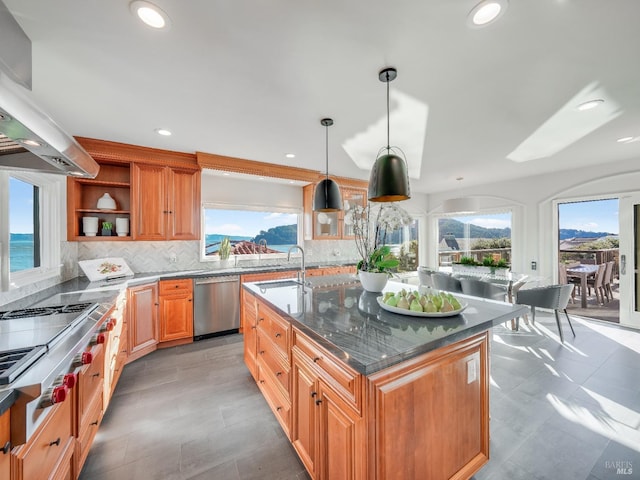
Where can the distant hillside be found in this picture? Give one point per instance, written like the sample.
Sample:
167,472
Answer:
282,235
449,225
571,233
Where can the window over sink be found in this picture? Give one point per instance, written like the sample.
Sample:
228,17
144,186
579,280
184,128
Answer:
252,232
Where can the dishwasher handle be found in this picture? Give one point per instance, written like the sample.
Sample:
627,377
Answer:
221,279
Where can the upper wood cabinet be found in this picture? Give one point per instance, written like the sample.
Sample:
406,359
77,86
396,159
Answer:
83,195
330,225
166,203
157,190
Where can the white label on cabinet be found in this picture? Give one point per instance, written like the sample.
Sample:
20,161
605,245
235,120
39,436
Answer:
472,374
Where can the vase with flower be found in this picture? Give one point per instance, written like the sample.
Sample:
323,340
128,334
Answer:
371,224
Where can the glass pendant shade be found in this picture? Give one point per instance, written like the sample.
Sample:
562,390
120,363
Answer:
389,181
327,197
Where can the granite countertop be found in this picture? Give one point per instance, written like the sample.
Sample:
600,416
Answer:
347,321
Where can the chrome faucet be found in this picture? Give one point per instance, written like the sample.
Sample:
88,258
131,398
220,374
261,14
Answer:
263,241
302,268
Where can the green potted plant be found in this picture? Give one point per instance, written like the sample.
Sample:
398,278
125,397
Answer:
225,249
107,228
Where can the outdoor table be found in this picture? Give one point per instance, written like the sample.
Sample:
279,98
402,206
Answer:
582,271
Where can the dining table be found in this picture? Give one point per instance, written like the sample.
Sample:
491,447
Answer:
583,271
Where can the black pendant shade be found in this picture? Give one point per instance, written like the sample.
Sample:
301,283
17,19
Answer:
327,197
389,180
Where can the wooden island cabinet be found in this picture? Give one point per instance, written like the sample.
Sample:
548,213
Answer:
365,397
5,444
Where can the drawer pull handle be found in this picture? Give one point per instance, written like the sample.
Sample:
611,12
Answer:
313,394
278,374
262,382
253,327
55,442
278,335
96,374
94,423
278,409
261,352
318,402
7,448
261,319
315,360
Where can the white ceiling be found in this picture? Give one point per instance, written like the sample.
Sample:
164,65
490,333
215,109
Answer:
252,79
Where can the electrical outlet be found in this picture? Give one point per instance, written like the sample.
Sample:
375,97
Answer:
534,265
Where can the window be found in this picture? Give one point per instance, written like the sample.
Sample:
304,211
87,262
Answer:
404,245
475,236
31,206
24,225
251,231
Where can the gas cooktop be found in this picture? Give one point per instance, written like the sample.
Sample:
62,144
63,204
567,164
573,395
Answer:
43,311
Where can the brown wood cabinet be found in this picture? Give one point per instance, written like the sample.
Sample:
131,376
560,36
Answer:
166,203
142,321
330,225
89,401
50,452
327,431
426,417
83,195
258,277
5,444
316,272
439,401
176,310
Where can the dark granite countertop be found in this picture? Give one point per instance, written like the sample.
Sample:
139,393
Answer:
347,321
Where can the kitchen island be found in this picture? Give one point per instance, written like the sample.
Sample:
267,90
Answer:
365,393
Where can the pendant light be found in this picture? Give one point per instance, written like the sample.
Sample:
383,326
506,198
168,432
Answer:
389,181
327,197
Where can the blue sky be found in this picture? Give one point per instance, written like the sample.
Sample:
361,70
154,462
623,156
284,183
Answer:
592,216
244,223
21,208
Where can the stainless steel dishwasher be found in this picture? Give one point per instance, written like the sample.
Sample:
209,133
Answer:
216,306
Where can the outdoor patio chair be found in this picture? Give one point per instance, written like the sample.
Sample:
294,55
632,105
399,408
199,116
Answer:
444,281
555,297
480,288
607,282
597,283
564,279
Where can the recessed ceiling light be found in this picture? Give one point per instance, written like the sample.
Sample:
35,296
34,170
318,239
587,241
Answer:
150,14
226,174
486,12
590,104
163,131
291,181
624,139
459,178
290,155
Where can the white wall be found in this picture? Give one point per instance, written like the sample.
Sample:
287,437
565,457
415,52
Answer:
534,215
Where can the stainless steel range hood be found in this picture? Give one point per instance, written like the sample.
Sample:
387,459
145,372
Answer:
29,138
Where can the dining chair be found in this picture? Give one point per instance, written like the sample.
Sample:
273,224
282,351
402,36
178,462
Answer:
480,288
597,283
607,282
563,278
554,297
444,281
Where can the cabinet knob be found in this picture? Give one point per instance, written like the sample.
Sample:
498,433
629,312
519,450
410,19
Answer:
316,359
313,394
7,448
278,335
94,423
278,409
278,374
261,352
318,402
156,304
56,442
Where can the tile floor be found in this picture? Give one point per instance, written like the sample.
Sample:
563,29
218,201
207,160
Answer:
558,412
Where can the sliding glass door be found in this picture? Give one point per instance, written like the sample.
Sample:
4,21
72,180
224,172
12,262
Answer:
630,260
